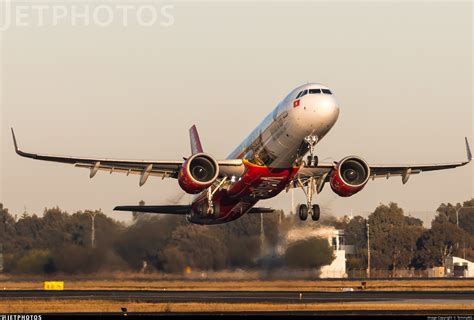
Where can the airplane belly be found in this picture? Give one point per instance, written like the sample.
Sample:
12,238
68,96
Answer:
261,182
226,209
257,183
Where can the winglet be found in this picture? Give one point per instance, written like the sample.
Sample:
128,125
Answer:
468,150
17,150
196,146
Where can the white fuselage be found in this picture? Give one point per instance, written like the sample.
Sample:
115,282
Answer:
278,141
272,153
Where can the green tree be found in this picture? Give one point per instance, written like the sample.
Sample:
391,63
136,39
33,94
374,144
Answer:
7,230
309,253
28,230
53,227
203,247
439,242
33,262
466,217
355,232
446,212
393,237
144,240
245,232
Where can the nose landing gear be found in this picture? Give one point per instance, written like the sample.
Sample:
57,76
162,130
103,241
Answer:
309,208
312,159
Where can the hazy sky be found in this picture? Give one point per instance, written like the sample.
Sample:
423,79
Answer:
402,73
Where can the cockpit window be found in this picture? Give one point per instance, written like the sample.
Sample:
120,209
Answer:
314,91
302,93
326,91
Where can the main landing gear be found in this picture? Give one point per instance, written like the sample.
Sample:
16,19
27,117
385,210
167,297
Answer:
210,204
303,212
309,208
210,193
312,159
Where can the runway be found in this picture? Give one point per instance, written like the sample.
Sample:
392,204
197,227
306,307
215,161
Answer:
278,303
275,297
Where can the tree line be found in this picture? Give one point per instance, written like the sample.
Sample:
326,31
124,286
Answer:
58,242
398,241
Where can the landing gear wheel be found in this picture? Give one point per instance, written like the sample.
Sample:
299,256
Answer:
316,212
312,140
312,161
303,212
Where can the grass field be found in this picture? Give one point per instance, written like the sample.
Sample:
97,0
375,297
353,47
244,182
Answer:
245,285
143,282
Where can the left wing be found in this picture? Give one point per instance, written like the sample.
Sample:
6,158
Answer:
144,168
387,171
322,172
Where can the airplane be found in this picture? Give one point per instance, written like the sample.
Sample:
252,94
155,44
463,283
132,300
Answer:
271,159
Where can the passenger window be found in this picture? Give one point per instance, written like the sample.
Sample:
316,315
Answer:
326,91
314,91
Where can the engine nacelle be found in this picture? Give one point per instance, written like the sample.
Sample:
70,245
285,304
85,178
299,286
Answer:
198,173
350,176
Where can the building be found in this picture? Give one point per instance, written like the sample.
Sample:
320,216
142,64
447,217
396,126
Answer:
337,269
458,267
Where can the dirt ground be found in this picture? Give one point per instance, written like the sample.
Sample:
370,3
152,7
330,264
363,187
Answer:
48,306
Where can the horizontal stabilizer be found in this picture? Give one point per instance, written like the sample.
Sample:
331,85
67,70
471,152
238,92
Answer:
175,209
261,210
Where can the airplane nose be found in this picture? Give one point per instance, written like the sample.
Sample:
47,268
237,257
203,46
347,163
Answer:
320,114
326,109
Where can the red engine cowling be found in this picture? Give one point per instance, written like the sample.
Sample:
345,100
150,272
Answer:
198,173
350,176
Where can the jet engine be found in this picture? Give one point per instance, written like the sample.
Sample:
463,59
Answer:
350,176
198,173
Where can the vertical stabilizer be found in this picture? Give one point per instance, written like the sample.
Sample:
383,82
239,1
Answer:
196,146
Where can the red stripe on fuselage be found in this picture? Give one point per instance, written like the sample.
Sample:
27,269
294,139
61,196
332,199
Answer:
257,182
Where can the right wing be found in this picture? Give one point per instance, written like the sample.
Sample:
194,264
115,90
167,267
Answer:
322,173
144,168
